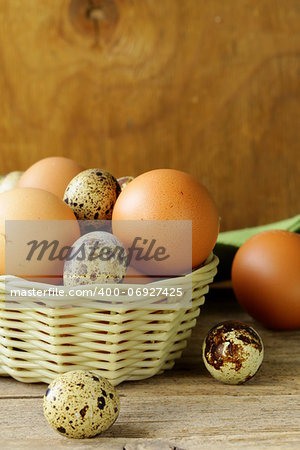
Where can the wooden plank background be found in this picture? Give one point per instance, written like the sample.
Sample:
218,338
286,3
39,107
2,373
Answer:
208,87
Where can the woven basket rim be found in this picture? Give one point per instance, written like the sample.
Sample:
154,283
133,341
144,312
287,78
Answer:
121,344
129,296
210,263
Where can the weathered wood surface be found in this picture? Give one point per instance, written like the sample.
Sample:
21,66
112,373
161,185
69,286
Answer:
184,408
208,87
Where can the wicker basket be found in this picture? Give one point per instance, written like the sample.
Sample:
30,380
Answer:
131,343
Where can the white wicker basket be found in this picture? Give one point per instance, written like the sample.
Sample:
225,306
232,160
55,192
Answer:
131,343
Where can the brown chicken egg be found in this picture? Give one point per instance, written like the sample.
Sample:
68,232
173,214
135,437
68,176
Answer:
133,276
266,278
52,174
37,215
161,204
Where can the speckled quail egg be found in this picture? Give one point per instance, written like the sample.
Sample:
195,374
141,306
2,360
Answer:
81,404
92,194
233,352
124,181
97,257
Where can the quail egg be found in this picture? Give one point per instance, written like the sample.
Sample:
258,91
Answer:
97,257
81,404
124,181
233,352
92,194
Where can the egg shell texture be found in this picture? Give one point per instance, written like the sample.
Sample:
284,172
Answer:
32,204
81,404
78,271
266,278
92,194
169,195
233,352
53,174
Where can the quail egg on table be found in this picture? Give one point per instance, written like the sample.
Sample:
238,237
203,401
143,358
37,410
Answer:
233,352
92,194
97,257
81,404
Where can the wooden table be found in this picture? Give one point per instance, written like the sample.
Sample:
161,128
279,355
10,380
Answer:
183,408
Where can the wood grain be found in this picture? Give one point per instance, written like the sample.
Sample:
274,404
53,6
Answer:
208,87
184,408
